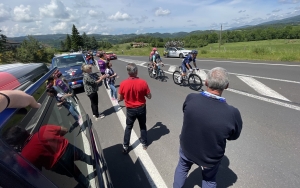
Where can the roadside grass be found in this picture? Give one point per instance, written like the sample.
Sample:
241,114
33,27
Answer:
286,50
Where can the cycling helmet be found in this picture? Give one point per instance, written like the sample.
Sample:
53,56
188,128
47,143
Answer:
154,49
194,52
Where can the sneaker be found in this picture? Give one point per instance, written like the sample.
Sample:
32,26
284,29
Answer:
113,99
102,116
179,79
153,72
125,149
94,116
144,145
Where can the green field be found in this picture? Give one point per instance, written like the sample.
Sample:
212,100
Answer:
272,50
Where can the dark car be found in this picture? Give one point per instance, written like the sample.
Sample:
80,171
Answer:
18,129
70,67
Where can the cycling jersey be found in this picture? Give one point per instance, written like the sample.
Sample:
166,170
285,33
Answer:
187,60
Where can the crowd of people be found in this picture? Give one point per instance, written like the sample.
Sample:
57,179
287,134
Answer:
203,137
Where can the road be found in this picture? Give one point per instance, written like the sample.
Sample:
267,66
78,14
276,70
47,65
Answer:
266,154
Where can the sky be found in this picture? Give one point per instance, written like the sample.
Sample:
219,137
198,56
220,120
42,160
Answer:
115,17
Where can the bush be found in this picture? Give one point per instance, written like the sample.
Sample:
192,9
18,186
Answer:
203,51
288,58
128,47
260,51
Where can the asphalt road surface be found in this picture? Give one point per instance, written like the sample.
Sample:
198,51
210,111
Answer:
267,154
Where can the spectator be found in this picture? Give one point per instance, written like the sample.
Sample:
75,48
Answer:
62,101
16,99
49,148
89,59
111,76
203,137
102,67
134,90
91,87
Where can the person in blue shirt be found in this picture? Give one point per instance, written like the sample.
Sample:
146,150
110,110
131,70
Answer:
186,64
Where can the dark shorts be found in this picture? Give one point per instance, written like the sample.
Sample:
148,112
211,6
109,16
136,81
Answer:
184,68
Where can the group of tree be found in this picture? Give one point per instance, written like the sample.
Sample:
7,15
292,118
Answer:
78,42
196,40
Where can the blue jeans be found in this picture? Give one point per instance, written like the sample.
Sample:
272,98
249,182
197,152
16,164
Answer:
184,165
133,114
113,90
72,110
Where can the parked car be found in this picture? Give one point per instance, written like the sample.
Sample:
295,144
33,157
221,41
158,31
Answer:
111,55
19,126
176,52
70,67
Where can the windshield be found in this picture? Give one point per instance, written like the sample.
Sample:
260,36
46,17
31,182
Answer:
180,49
68,61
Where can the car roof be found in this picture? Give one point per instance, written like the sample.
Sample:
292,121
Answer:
65,54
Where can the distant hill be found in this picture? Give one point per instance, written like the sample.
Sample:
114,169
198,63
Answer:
295,20
54,39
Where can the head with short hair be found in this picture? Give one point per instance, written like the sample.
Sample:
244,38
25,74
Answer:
101,55
16,136
132,69
217,79
86,68
51,92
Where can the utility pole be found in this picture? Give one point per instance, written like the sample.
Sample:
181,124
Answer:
220,38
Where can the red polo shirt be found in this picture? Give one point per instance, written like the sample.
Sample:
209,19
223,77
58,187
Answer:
45,147
134,91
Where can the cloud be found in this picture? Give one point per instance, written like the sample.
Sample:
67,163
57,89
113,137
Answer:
141,19
189,21
83,4
23,14
4,13
161,12
61,26
120,16
289,1
277,10
241,11
56,9
93,13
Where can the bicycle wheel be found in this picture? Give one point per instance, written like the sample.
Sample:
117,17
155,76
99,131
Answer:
162,75
150,69
176,74
195,82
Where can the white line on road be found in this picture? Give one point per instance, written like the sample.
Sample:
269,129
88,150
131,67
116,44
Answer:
151,172
261,88
259,97
239,62
149,168
172,68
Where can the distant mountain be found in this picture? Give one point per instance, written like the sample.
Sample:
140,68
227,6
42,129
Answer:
295,20
54,39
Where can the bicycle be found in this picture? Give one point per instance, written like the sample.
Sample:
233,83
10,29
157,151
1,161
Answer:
160,74
194,80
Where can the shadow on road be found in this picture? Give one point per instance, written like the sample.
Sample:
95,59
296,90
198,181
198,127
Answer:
156,132
225,177
123,171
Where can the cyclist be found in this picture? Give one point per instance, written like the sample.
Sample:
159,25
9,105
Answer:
153,59
186,64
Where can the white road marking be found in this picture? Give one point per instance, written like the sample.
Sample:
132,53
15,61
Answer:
259,97
261,88
151,172
266,99
240,62
149,168
172,68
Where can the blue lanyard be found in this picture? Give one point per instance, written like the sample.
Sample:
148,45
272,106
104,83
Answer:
207,94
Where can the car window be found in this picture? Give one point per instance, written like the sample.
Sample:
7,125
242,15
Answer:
68,60
49,139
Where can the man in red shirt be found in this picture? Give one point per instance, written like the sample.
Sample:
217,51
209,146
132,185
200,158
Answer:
49,149
134,90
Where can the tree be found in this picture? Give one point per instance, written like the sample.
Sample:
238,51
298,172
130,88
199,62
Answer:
2,42
85,41
94,43
68,43
31,50
62,46
75,39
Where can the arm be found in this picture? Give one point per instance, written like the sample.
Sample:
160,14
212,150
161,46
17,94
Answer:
63,131
16,99
147,89
235,133
120,97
